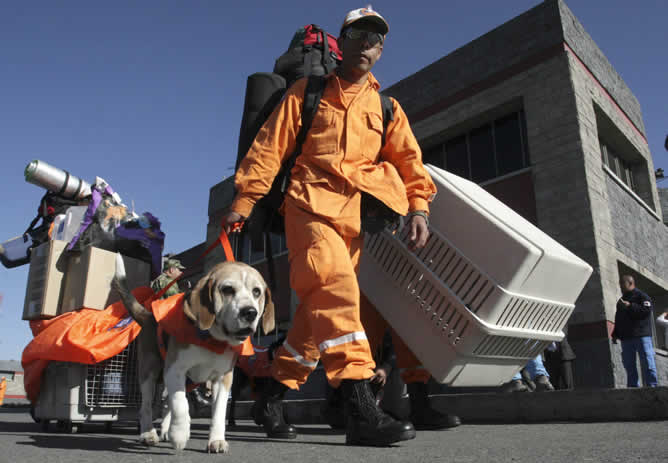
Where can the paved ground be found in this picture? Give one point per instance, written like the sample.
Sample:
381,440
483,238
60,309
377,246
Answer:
21,440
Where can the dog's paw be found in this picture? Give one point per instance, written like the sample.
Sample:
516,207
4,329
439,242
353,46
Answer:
218,446
149,437
164,426
178,443
178,436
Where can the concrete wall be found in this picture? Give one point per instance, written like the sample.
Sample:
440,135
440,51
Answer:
591,55
663,199
637,234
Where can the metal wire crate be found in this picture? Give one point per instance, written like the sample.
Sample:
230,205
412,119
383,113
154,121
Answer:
113,382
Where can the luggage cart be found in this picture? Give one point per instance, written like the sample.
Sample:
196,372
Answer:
75,393
488,292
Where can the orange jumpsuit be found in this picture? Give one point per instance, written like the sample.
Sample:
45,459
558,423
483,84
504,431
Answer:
341,156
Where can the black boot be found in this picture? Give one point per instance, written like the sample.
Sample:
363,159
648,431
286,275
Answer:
333,410
366,423
423,416
268,412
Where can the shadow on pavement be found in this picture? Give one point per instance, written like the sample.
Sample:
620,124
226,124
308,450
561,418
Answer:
88,442
250,428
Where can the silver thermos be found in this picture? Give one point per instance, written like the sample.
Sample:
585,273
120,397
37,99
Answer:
56,180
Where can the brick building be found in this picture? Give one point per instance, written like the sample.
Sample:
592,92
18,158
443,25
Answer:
535,113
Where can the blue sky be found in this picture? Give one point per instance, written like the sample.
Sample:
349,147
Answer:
149,95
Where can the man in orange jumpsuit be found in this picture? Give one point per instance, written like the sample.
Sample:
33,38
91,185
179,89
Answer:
342,156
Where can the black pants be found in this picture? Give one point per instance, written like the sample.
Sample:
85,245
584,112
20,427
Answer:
561,372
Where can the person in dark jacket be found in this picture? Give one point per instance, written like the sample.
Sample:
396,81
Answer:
559,364
633,327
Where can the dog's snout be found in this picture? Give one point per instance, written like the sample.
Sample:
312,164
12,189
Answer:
248,314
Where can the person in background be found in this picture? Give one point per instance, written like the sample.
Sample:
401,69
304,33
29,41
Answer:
633,329
559,364
538,378
172,269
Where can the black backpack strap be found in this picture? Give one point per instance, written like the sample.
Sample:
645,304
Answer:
388,113
315,87
327,61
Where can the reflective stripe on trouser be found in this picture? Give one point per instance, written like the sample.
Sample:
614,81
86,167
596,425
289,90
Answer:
375,326
327,324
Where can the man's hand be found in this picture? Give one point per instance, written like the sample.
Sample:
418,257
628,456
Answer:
626,303
419,232
230,219
379,377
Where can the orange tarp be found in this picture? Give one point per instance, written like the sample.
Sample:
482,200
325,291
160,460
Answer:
86,336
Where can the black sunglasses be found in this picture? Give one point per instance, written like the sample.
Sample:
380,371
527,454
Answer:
372,38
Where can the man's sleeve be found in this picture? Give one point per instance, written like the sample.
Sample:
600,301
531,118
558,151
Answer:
402,150
274,142
156,285
642,309
173,290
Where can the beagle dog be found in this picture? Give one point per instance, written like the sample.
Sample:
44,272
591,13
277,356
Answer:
226,304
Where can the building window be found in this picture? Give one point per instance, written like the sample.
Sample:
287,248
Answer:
624,161
491,150
621,168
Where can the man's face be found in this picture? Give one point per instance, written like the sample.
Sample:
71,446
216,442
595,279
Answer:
360,46
626,286
173,272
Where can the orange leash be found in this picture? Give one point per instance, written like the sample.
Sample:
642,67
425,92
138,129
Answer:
223,240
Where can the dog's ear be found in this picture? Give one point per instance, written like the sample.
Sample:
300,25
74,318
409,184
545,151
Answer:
201,306
269,316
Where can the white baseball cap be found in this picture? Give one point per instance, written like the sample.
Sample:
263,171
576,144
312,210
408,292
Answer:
367,14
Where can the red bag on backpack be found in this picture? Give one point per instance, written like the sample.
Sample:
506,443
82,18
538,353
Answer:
309,53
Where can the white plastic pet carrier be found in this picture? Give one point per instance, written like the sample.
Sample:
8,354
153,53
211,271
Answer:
487,293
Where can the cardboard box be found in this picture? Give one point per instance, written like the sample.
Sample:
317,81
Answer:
45,280
89,275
